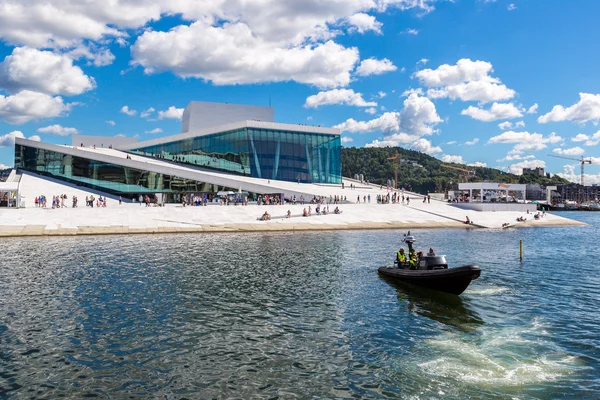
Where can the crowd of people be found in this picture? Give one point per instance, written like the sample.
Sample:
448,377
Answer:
60,201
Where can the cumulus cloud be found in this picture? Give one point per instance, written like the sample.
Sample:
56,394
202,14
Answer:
97,56
517,168
2,166
372,66
8,140
573,151
451,142
411,31
147,113
155,130
27,105
452,159
171,113
346,139
58,130
509,125
338,96
127,111
371,110
417,118
412,142
572,174
467,80
495,112
111,122
381,94
511,7
410,91
585,110
472,142
388,122
532,109
477,164
590,140
42,71
525,141
361,23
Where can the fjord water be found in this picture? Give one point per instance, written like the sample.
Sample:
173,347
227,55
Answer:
299,315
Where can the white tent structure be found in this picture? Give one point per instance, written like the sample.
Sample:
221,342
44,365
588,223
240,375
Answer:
483,187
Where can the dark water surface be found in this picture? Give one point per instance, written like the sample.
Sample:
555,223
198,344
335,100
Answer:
299,315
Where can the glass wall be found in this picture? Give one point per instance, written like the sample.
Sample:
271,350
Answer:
105,177
260,153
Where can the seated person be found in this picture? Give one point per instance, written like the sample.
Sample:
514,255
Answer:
337,210
401,258
289,214
431,252
317,210
304,213
266,216
468,221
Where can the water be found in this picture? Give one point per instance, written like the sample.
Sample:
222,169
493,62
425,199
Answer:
298,315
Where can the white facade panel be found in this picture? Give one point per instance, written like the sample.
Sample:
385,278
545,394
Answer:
199,115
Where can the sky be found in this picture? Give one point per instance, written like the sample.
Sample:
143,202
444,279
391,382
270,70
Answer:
497,83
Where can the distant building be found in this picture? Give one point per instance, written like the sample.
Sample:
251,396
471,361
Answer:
534,171
535,191
577,192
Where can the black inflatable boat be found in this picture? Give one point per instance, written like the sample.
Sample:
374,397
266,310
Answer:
431,271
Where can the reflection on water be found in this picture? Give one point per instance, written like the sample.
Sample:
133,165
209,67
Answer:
297,315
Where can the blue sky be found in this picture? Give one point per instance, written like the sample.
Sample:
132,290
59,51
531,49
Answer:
497,83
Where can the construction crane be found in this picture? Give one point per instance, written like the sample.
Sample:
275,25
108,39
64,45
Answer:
582,161
463,171
396,159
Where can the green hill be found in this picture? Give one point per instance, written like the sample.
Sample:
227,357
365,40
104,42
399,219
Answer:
374,165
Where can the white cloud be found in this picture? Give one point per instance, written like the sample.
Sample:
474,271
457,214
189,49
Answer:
467,80
155,130
580,138
509,125
2,166
511,7
338,96
422,61
411,31
372,66
451,142
27,105
472,142
497,111
533,109
58,130
388,122
371,110
8,140
525,141
514,157
226,55
413,142
410,91
147,113
42,71
362,23
573,151
417,118
585,110
572,174
97,56
481,91
111,122
171,113
346,139
126,110
381,94
453,159
477,164
517,168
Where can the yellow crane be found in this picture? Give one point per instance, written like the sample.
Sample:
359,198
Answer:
466,173
582,161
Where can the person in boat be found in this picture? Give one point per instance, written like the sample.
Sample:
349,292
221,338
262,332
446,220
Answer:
401,258
412,262
431,252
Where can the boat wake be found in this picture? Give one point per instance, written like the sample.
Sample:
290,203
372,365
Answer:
487,291
505,357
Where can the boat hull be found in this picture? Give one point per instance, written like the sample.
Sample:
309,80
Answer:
450,280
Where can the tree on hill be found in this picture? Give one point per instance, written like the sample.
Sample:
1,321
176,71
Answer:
427,175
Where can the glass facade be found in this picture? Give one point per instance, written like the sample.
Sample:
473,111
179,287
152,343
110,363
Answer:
106,177
259,153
